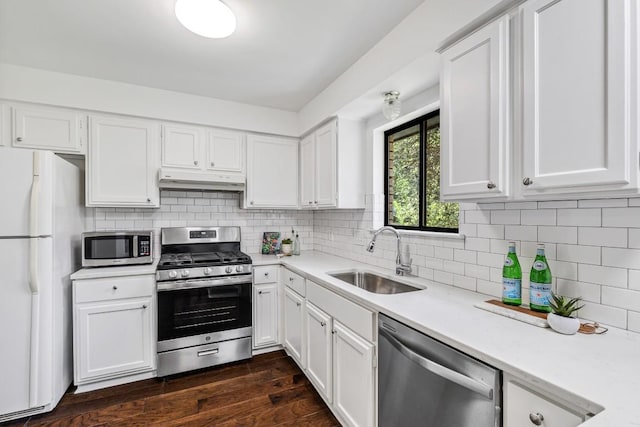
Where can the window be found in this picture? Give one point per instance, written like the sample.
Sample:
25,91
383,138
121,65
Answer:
412,178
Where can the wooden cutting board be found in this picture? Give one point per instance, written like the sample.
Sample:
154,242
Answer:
520,313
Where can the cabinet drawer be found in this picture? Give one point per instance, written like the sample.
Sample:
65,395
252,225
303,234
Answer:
294,281
113,288
266,274
355,317
521,405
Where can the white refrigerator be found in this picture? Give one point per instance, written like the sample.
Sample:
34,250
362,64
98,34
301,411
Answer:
41,219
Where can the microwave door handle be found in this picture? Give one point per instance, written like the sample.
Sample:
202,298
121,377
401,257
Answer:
439,370
135,246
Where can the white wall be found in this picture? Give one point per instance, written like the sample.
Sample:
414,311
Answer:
66,90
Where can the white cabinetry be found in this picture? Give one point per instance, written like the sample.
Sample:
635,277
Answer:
319,349
266,305
182,147
523,407
577,91
294,325
474,133
114,330
556,119
122,163
332,167
225,151
272,172
56,129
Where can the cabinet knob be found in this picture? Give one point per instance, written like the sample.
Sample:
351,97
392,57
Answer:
144,306
491,185
266,274
148,200
310,202
323,324
291,279
536,418
115,288
316,202
195,162
251,202
333,332
259,292
527,181
298,304
212,164
19,139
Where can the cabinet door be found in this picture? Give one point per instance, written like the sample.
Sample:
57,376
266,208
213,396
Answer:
576,74
113,338
49,129
265,315
319,354
225,151
353,374
293,324
123,161
326,166
307,172
181,147
474,122
522,404
272,172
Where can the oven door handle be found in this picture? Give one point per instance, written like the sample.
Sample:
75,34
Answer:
439,370
206,283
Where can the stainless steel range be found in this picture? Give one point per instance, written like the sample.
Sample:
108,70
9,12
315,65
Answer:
204,299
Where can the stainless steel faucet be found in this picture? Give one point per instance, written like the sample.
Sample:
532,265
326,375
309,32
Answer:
401,268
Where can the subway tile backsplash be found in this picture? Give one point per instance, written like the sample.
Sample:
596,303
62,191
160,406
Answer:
593,248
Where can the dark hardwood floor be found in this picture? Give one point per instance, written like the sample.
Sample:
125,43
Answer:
268,390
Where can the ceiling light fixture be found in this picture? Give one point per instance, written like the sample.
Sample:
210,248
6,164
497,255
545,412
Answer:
208,18
391,106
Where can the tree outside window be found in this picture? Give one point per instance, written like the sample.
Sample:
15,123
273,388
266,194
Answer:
412,178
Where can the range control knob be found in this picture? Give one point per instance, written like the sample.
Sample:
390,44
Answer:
184,273
239,269
207,271
229,269
173,274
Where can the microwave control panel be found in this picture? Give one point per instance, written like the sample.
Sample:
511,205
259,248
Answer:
144,246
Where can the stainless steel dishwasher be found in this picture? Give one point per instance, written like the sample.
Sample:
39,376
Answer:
423,382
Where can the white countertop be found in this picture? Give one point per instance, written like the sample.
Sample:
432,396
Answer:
128,270
591,371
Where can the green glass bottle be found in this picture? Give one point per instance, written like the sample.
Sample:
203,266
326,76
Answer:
540,283
511,278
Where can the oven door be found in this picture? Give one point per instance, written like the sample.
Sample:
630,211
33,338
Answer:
190,308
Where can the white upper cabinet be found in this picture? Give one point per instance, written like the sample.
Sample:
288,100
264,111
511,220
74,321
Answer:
474,133
225,151
272,172
122,163
59,130
576,97
332,166
556,119
182,147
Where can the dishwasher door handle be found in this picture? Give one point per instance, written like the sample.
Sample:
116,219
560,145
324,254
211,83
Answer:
439,370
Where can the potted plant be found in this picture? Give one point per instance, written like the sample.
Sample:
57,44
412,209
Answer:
285,247
562,319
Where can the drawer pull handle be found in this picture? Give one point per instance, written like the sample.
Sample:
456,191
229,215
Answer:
144,306
536,418
207,352
115,288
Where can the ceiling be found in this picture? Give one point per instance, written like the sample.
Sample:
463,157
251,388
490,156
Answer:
283,53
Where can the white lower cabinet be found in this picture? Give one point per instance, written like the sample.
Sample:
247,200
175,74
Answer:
265,315
293,325
524,406
113,330
319,349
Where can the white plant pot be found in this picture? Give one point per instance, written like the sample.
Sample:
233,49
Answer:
564,325
286,248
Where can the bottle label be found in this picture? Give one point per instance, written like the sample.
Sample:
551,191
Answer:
540,293
539,265
508,262
511,288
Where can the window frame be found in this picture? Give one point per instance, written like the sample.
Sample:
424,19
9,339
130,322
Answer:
420,121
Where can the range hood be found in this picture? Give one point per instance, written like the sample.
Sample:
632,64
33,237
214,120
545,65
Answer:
170,178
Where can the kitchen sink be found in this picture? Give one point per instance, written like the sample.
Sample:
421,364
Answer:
372,282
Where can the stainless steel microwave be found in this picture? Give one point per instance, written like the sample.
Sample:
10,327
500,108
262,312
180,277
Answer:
112,248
